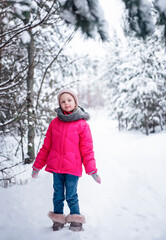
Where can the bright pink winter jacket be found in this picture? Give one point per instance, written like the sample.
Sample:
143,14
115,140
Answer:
66,146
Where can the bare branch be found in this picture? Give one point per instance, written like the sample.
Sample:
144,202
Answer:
27,27
11,80
9,178
50,64
3,169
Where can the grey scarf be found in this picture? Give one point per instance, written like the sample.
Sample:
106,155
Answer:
78,114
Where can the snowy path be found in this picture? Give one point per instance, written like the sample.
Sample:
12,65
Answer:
130,204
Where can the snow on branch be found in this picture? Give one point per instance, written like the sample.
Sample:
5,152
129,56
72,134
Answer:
5,168
8,122
5,86
27,27
10,86
86,15
140,16
161,7
9,173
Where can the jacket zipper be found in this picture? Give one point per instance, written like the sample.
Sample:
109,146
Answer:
63,143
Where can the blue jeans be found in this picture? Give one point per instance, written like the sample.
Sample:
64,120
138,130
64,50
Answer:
65,187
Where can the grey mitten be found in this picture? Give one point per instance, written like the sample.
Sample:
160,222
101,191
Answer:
35,173
96,177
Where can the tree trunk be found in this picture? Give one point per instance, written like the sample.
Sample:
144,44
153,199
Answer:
30,102
1,40
146,124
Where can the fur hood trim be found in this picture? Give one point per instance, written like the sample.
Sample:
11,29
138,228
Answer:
60,218
75,218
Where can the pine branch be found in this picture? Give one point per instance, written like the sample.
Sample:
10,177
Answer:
86,15
140,17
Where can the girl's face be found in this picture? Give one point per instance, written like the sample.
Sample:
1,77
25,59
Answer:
67,102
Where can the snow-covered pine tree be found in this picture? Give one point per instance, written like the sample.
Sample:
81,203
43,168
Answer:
137,84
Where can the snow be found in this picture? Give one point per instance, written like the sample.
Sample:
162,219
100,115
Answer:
68,16
7,122
5,20
162,5
130,204
20,8
25,37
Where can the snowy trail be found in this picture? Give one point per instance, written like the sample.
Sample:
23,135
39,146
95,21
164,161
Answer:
130,204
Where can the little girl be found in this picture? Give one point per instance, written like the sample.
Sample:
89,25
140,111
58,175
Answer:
67,145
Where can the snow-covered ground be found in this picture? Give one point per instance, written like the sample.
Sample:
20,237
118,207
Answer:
130,204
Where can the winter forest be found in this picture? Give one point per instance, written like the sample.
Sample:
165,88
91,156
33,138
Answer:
114,56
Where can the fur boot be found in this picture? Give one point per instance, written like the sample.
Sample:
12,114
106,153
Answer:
76,222
58,220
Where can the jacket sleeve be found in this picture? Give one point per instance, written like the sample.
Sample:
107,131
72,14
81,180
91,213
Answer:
86,150
42,155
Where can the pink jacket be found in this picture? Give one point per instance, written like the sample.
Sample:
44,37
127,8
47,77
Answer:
66,146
